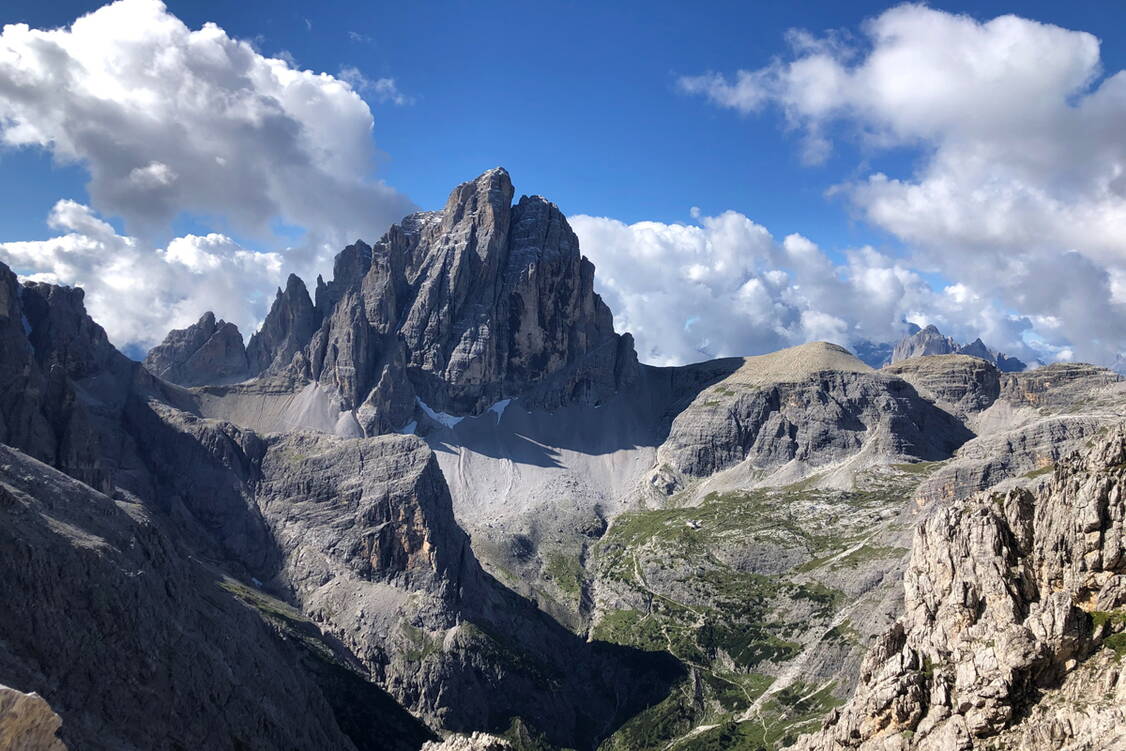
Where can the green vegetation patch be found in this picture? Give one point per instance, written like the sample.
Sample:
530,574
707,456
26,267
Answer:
653,728
1117,643
281,615
918,468
496,648
566,571
1108,618
1047,469
420,643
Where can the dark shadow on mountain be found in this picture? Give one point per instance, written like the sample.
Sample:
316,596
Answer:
639,416
930,432
571,692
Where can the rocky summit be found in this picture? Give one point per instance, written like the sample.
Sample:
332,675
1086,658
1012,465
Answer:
437,502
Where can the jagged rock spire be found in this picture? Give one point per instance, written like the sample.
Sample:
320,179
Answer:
208,351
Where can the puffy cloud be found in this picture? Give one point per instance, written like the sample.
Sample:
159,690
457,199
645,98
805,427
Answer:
727,287
138,293
1022,183
169,121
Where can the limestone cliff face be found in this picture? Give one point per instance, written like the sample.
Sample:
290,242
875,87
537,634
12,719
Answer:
1024,422
927,341
805,407
287,328
463,307
930,341
53,355
476,302
961,384
27,723
136,645
1014,607
208,351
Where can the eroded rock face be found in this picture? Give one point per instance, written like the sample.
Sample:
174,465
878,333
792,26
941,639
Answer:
961,384
460,308
1031,420
930,342
208,351
1007,595
59,379
27,723
135,645
286,330
806,406
473,742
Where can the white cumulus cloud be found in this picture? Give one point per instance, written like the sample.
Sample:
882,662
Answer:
171,121
138,293
1021,188
727,287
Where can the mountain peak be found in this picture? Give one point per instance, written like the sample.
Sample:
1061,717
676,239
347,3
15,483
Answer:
208,351
930,341
461,308
491,190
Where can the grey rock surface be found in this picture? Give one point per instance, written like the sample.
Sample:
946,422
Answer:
461,308
1007,596
286,330
800,409
27,723
208,351
960,384
930,341
137,645
472,742
926,341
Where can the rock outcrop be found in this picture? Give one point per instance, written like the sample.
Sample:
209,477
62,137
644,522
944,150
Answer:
930,341
1032,419
27,723
1009,597
803,408
286,330
473,742
208,351
138,646
961,384
925,342
459,308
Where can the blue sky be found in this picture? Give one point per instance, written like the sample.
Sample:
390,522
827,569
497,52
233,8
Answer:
580,101
577,100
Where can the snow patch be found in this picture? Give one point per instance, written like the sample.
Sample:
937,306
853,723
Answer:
409,428
499,408
439,417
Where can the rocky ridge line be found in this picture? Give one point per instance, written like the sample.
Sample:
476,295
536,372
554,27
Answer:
1012,600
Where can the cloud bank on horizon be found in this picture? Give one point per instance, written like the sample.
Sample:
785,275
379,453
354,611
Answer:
1019,200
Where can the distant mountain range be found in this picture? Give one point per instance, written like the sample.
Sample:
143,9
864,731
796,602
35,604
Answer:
920,342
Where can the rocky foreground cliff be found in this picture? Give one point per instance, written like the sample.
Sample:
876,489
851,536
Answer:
438,500
1012,630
